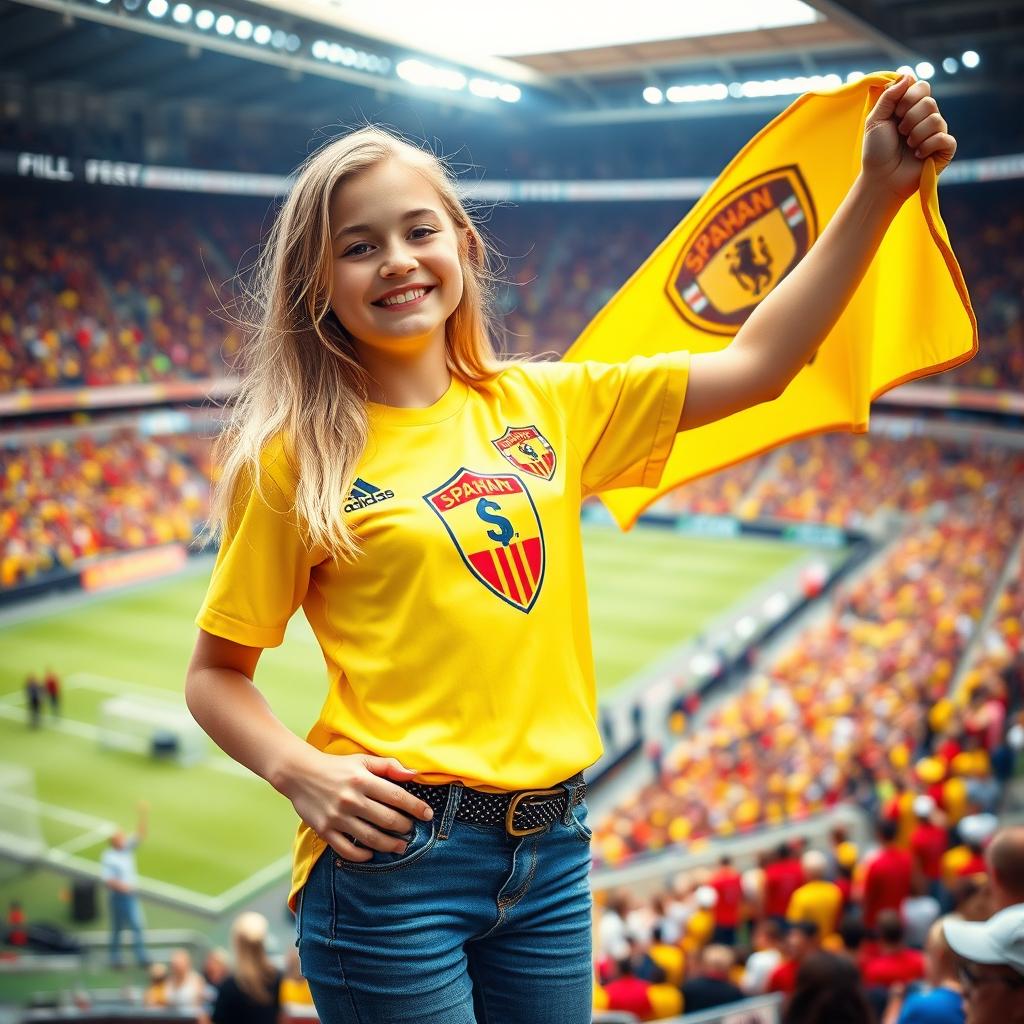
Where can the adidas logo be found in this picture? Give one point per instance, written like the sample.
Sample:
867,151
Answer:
363,495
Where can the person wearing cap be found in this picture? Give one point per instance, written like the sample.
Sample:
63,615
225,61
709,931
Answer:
991,970
701,925
1004,857
928,842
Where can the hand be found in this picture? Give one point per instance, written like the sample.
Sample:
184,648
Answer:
904,128
349,795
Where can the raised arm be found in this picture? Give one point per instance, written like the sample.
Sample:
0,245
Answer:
335,795
784,331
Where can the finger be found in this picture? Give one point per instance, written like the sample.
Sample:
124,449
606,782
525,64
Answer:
388,795
931,125
374,838
941,145
916,92
918,112
344,847
886,103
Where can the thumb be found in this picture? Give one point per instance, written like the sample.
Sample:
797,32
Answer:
387,766
886,105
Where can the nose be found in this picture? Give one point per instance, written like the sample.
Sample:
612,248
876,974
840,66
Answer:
398,262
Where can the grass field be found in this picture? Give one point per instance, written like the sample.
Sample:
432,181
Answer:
650,590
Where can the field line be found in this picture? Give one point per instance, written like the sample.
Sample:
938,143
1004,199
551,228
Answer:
86,839
56,812
255,881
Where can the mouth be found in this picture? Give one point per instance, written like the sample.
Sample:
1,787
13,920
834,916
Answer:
403,300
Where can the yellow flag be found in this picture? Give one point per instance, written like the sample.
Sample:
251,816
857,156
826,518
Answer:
911,315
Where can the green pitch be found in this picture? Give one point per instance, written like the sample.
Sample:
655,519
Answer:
217,833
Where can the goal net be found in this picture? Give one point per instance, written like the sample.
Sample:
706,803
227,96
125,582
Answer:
21,829
151,727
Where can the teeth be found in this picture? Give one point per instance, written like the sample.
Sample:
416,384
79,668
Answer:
405,297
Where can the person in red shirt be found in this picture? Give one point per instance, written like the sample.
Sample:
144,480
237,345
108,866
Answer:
887,878
782,878
928,842
801,941
627,992
893,963
726,882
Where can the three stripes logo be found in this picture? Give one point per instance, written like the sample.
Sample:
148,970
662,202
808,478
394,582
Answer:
365,494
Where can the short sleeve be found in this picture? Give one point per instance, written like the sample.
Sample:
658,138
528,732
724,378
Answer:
262,571
621,418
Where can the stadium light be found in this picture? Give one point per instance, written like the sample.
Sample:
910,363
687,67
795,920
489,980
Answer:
904,69
225,25
243,30
509,93
103,2
131,5
854,76
484,88
949,65
319,49
652,94
156,8
261,35
292,42
278,39
696,93
925,69
205,20
970,59
182,14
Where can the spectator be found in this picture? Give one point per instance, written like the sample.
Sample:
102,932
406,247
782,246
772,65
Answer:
156,989
667,955
943,1002
827,991
33,700
766,957
216,970
294,987
818,899
711,987
920,910
782,878
887,876
627,992
52,686
894,963
928,842
251,994
992,965
1004,856
801,942
121,878
727,882
185,988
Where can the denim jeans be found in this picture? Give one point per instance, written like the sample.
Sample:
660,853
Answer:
125,912
468,926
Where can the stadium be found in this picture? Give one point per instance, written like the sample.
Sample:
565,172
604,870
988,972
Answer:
808,655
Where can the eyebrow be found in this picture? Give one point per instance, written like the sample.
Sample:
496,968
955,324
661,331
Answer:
360,228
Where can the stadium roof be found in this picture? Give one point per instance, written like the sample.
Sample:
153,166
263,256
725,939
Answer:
307,59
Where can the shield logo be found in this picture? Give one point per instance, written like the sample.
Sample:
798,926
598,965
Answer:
742,249
527,449
494,525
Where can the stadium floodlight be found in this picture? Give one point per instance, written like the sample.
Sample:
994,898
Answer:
950,66
484,88
854,76
261,35
653,95
736,89
243,30
509,93
278,39
746,627
225,25
103,2
970,59
156,8
205,20
925,69
904,69
292,43
319,49
182,14
131,5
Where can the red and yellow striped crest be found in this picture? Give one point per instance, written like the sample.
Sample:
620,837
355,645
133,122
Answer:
527,449
493,523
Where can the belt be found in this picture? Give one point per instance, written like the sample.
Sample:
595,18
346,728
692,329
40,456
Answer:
522,812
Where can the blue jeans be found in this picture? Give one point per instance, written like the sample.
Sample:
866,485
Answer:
125,912
468,926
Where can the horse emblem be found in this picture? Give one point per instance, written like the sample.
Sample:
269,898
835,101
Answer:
527,449
741,249
496,530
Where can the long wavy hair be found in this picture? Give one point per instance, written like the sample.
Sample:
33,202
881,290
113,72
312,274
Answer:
301,379
254,972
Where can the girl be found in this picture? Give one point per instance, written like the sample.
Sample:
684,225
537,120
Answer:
250,995
420,500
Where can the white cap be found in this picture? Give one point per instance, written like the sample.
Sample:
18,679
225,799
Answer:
977,828
924,805
706,896
999,940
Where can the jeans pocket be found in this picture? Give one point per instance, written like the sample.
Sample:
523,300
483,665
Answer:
579,816
420,839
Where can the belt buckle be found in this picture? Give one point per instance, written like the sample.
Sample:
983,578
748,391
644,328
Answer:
514,803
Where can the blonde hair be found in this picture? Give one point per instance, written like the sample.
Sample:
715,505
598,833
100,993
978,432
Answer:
302,380
254,972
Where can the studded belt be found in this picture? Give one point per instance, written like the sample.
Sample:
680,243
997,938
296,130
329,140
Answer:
522,812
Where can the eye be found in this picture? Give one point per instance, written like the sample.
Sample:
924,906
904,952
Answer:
429,232
353,251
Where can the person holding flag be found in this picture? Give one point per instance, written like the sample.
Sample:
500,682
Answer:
420,499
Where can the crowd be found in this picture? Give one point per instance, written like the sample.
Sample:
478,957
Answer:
70,499
83,302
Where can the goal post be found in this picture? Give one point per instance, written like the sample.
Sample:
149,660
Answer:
150,727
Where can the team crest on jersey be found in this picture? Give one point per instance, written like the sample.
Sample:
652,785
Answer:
527,449
494,525
742,249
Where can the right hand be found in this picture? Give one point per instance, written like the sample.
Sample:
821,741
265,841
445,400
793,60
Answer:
349,796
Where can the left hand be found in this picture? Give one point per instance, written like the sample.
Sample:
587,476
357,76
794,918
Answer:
904,128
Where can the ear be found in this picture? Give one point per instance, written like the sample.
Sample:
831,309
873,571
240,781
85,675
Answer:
469,245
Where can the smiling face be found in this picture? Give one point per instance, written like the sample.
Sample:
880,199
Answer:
396,271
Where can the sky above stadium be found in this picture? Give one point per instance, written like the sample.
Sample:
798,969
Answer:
510,28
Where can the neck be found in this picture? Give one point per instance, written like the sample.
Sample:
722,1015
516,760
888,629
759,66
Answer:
408,381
